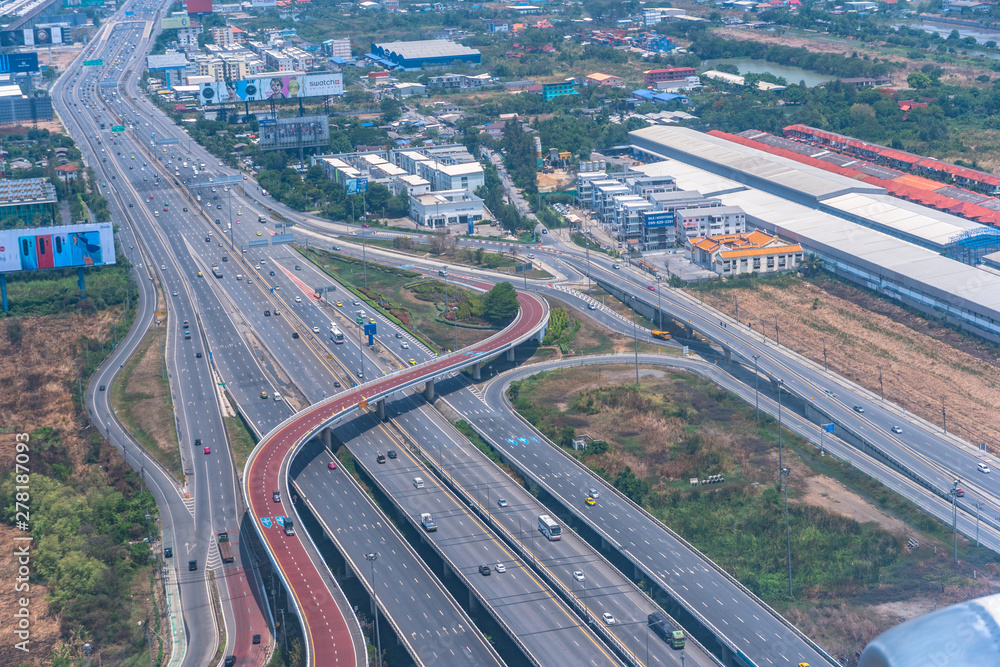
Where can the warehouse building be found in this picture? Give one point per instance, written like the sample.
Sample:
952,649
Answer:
32,200
888,248
423,54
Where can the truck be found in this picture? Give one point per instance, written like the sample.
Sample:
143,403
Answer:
225,548
427,521
665,335
666,630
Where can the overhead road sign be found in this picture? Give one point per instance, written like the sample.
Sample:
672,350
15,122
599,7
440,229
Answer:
259,244
130,13
167,141
282,238
225,180
117,128
267,122
108,83
93,63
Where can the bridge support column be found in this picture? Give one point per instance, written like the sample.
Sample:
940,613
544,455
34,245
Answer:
540,336
729,355
325,436
510,354
473,602
429,390
477,371
381,409
688,332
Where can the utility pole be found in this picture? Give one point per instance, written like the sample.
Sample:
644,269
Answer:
737,299
944,416
825,368
781,383
777,338
881,388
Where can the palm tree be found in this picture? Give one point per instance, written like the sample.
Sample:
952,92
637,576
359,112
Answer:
811,265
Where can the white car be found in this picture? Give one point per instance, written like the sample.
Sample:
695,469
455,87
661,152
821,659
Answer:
298,299
315,329
578,575
982,467
277,396
405,345
501,567
609,619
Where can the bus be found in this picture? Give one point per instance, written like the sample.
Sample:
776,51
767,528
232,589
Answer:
549,528
336,335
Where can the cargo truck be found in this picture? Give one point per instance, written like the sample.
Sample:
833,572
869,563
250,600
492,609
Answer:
225,548
668,632
215,271
665,335
427,521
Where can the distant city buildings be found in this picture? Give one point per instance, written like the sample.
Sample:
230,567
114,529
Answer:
32,200
653,76
599,79
550,91
423,54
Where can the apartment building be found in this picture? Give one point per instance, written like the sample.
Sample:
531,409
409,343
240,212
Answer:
710,221
278,61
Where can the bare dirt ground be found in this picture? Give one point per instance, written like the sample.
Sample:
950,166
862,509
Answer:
557,180
954,73
829,493
923,365
37,393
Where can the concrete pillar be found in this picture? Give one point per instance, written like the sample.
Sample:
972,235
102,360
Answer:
473,602
540,336
729,355
688,332
510,354
477,369
325,435
429,390
381,409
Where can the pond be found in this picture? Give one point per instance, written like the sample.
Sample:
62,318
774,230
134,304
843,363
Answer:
790,74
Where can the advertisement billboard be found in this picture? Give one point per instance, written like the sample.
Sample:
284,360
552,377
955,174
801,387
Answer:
278,87
177,21
301,132
655,219
17,63
61,247
198,6
355,186
32,36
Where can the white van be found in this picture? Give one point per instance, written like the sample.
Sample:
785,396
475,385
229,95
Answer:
239,276
418,482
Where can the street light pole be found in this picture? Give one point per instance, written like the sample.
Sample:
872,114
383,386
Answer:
635,334
954,516
788,533
372,557
756,388
781,383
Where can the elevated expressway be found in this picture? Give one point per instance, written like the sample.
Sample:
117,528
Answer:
325,630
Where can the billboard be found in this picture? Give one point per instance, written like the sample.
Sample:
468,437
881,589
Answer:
654,219
166,61
177,21
276,87
263,3
32,36
356,186
198,6
61,247
301,132
17,63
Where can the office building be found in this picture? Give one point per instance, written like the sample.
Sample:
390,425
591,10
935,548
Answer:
654,76
445,207
550,91
710,221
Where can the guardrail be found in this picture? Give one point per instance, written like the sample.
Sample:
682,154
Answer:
638,562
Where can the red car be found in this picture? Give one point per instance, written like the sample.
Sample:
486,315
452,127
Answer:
333,465
208,450
651,288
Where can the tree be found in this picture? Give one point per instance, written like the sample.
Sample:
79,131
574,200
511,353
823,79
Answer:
500,304
919,81
391,109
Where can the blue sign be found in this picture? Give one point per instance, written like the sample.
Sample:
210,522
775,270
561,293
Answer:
265,521
280,520
19,62
130,13
267,122
828,427
356,186
654,219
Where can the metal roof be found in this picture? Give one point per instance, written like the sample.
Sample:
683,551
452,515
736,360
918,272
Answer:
425,48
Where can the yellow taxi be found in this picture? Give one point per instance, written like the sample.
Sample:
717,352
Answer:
589,501
258,233
263,394
371,320
340,304
413,362
199,275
